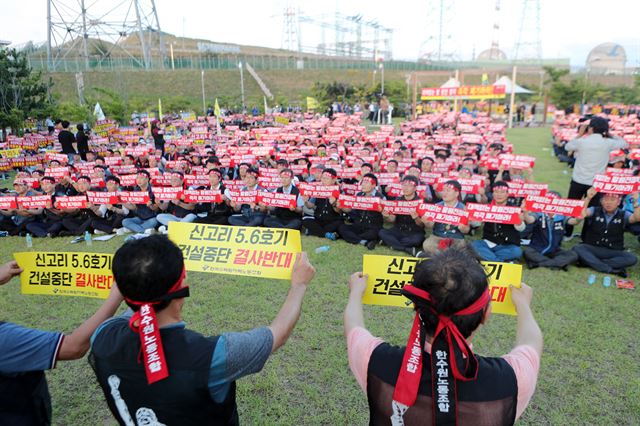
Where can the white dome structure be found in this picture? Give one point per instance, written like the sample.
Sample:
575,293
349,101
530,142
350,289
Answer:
492,54
607,58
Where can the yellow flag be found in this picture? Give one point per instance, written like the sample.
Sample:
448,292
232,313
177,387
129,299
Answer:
485,79
312,103
159,109
216,109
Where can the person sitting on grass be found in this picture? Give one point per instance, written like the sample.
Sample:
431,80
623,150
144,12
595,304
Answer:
27,352
365,225
445,235
603,234
546,237
152,369
500,241
451,299
326,217
281,217
407,231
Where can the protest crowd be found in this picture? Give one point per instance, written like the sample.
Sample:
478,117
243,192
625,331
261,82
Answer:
445,177
447,187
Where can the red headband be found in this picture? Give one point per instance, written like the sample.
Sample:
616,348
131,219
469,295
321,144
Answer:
155,364
449,338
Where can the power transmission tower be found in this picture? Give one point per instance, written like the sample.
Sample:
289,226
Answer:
529,44
495,39
291,29
438,45
101,31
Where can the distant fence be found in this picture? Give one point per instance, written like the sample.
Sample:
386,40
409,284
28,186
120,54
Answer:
264,62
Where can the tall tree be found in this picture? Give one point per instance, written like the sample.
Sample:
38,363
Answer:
23,94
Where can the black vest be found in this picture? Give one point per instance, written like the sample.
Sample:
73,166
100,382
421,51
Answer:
598,233
500,233
183,398
404,222
324,211
367,218
281,212
24,399
489,400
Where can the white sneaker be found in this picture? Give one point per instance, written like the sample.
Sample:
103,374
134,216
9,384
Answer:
98,232
163,230
150,231
122,231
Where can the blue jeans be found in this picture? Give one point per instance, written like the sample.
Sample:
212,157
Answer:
499,253
165,218
138,225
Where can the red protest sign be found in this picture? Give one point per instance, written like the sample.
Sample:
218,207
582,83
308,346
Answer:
56,172
74,202
404,207
360,202
517,161
8,203
127,180
243,197
34,202
319,191
275,199
350,189
196,180
443,214
203,196
469,186
523,189
388,178
551,205
493,213
167,193
97,197
134,197
616,184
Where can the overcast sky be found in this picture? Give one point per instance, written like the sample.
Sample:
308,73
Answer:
568,28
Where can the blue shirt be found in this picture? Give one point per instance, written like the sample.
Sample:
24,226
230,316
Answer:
27,349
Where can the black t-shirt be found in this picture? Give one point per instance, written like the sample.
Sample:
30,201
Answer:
67,140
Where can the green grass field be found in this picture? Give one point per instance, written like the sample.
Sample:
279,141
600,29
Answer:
590,372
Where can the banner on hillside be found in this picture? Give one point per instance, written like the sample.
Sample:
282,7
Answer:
389,274
462,92
237,250
66,274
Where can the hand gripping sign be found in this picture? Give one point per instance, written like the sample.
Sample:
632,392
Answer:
389,274
66,274
402,207
237,250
